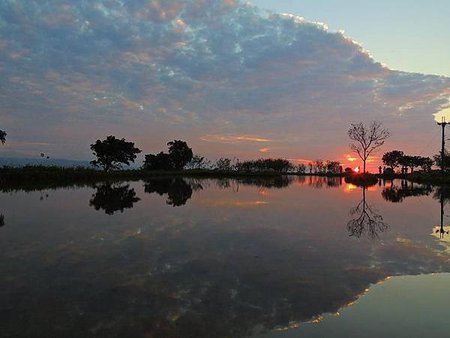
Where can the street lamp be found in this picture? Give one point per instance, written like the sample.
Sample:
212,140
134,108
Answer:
443,123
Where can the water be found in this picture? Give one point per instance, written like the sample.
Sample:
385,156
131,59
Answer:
222,258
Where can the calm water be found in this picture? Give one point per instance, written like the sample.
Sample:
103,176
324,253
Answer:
224,258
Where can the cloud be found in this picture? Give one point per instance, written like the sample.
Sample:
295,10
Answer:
234,138
196,67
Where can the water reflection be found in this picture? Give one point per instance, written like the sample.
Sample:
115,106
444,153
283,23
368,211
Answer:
442,194
113,197
2,220
366,220
178,190
397,194
199,271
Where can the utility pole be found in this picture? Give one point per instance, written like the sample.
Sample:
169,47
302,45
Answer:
443,124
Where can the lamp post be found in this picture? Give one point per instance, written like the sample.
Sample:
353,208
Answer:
443,124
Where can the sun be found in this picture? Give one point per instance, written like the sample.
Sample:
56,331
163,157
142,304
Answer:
356,170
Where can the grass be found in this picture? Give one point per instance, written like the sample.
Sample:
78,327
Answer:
50,177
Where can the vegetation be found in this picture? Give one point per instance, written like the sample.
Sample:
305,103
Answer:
396,158
367,139
362,180
3,136
261,165
443,162
112,153
392,158
178,157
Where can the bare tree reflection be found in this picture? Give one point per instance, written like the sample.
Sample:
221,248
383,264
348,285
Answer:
365,220
2,220
112,198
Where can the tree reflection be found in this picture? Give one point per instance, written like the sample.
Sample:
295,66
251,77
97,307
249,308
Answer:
277,182
2,220
179,190
397,194
365,220
112,198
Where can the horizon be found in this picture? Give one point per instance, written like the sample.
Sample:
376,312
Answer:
230,79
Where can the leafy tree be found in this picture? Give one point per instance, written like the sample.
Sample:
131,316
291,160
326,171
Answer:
279,165
426,164
392,158
3,136
367,139
319,165
301,168
223,164
413,162
180,154
333,166
443,163
199,162
112,153
159,161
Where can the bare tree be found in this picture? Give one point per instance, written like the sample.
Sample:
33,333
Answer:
367,139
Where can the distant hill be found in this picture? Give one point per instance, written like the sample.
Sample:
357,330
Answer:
20,162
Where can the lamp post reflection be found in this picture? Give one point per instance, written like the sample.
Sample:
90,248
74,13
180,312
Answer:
442,194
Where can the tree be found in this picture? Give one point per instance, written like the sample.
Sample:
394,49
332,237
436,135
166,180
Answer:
112,153
180,154
319,165
159,161
442,162
392,158
366,140
333,166
178,157
301,168
426,164
199,162
3,136
224,164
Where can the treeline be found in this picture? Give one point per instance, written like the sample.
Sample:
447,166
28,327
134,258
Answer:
112,153
398,161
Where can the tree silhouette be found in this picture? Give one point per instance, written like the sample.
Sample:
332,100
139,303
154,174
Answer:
3,136
365,220
392,158
112,198
367,139
112,153
180,154
159,161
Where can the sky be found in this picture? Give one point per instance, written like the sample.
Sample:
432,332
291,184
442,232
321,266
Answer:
229,78
403,34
